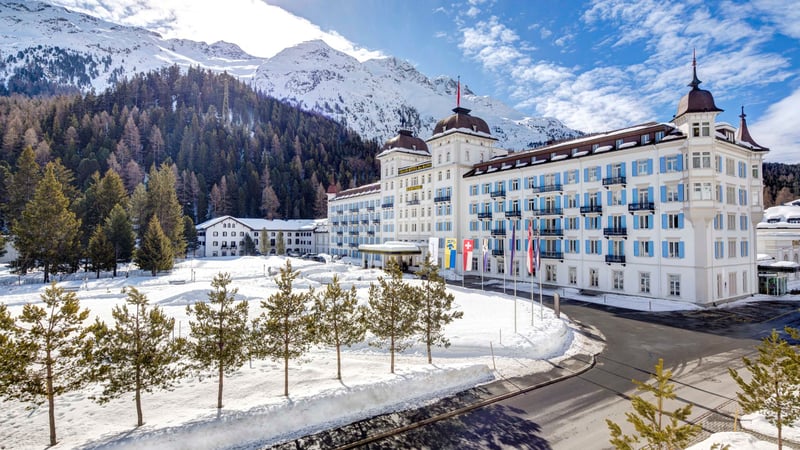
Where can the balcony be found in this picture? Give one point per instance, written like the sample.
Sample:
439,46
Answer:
551,255
498,194
387,205
615,259
611,181
353,210
551,232
441,199
548,212
339,244
365,221
335,223
592,209
370,208
617,231
555,187
642,206
370,233
340,232
514,213
340,212
498,252
498,232
413,201
376,220
485,215
353,233
354,244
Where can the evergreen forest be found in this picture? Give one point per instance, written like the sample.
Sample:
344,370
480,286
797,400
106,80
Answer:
234,150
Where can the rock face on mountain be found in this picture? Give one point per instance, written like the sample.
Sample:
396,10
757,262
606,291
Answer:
45,49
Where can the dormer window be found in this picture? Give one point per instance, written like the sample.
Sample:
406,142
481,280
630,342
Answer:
645,139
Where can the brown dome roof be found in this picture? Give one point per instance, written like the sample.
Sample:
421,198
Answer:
461,119
405,139
696,100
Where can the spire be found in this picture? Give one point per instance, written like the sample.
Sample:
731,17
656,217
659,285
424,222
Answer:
458,93
743,134
695,82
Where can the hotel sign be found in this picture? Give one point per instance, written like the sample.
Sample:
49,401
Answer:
415,168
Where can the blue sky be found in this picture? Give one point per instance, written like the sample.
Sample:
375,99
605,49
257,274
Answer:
595,65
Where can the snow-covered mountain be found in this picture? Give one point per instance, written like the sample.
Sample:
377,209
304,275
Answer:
45,43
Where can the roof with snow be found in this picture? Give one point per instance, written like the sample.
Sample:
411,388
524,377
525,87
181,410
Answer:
786,216
269,224
462,121
405,139
361,190
391,248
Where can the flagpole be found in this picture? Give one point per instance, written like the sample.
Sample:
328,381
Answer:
538,269
533,277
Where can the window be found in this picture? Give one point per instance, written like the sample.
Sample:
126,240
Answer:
659,136
515,184
701,191
448,174
673,221
616,198
706,129
473,190
732,222
644,282
696,129
743,246
572,223
618,280
730,195
619,143
550,273
572,201
673,163
672,193
730,167
641,167
701,160
645,221
594,278
572,276
645,139
572,176
594,174
572,246
645,248
732,248
595,247
674,282
215,244
743,222
673,249
755,171
216,233
719,250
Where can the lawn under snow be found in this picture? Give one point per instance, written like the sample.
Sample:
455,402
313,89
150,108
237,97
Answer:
256,412
254,408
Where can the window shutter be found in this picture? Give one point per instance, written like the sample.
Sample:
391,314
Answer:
634,168
624,197
650,195
680,221
662,164
636,248
680,249
663,194
588,247
663,221
635,223
650,250
680,192
586,174
649,166
664,249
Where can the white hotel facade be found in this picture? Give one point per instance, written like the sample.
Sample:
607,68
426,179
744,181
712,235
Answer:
660,210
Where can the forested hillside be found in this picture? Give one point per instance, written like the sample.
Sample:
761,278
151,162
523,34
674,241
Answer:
781,183
235,150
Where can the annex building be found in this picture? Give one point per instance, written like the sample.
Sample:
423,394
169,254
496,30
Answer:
661,210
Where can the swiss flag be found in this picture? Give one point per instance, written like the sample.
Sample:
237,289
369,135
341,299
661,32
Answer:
469,245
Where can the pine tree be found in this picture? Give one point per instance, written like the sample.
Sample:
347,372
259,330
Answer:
162,202
281,246
338,320
12,356
48,232
101,251
435,309
21,185
54,342
190,234
138,354
282,331
648,418
155,252
391,316
219,334
775,376
263,245
119,231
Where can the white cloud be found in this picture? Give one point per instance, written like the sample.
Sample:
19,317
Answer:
473,11
258,28
778,129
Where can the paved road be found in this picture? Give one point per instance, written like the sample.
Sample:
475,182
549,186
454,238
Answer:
697,346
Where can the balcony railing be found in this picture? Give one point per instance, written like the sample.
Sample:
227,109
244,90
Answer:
370,208
339,244
615,259
354,244
514,213
642,206
498,252
548,212
616,231
340,232
484,215
413,201
499,232
592,209
371,233
387,205
353,210
551,255
500,193
555,187
441,199
551,232
610,181
376,220
353,233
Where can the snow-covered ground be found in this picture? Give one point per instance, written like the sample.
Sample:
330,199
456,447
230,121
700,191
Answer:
484,347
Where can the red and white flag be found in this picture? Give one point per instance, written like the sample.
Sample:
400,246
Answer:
468,247
529,259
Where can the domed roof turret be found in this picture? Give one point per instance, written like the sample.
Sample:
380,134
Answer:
696,100
405,139
462,119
